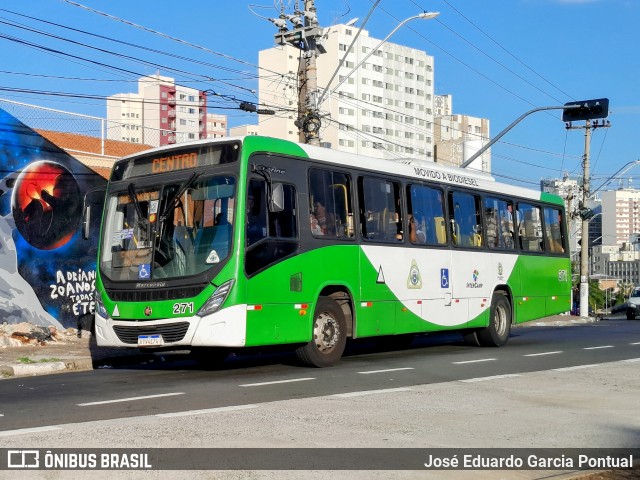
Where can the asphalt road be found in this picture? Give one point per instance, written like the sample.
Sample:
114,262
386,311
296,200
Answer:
174,384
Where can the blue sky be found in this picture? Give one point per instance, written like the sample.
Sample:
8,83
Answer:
498,58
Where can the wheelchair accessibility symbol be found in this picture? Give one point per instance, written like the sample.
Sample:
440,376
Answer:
144,271
444,278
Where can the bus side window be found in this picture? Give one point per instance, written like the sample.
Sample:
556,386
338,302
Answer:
466,226
426,208
380,215
530,227
330,212
553,230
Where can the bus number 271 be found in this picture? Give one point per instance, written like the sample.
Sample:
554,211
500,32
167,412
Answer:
182,308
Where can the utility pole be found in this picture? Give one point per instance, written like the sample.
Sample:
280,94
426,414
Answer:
306,36
584,246
587,111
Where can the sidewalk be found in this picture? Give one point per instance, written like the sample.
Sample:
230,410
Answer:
62,351
66,351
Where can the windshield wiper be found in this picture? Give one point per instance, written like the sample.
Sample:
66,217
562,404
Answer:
173,202
131,189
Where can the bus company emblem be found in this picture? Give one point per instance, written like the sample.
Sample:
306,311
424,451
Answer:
475,284
148,311
500,269
414,280
562,276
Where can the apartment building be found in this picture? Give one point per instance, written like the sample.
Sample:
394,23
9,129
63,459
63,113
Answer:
382,109
620,216
458,137
243,130
216,125
160,113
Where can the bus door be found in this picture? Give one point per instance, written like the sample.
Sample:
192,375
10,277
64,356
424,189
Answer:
469,284
381,231
428,282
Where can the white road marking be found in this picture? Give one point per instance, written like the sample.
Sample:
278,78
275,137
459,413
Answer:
632,360
22,431
276,382
636,343
543,353
130,399
371,392
387,370
598,348
577,367
493,377
475,361
208,410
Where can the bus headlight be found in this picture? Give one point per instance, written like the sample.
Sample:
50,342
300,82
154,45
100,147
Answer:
217,299
100,310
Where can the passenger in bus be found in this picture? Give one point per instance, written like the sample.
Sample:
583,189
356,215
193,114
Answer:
326,221
315,226
416,231
492,228
508,228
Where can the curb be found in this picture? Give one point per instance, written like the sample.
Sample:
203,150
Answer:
78,364
20,370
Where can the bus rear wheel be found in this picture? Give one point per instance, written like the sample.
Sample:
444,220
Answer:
496,333
329,335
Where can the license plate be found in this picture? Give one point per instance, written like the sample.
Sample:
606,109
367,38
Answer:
150,340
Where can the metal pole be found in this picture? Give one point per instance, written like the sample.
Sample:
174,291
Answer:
584,248
103,134
513,124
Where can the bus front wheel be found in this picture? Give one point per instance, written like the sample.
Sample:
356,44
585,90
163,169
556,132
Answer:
329,335
496,333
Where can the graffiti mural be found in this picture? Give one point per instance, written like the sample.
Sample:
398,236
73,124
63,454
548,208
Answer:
47,271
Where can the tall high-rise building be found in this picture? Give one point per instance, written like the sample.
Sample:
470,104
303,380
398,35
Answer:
161,113
620,216
383,109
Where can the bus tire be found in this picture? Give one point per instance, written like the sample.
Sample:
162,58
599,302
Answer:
329,335
496,333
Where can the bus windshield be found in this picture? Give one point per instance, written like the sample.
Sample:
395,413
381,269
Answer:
174,230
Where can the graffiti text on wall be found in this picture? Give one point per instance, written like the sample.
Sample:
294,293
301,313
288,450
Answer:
78,287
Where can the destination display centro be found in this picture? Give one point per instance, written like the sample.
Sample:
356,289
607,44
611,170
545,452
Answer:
168,161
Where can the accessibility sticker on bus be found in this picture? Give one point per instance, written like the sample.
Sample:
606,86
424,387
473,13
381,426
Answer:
444,278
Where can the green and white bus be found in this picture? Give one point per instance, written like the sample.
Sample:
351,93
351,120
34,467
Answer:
223,244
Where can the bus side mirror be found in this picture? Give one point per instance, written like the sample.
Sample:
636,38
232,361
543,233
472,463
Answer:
86,222
276,200
94,197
